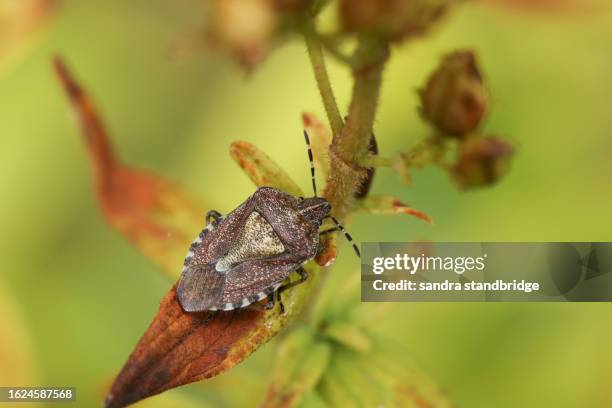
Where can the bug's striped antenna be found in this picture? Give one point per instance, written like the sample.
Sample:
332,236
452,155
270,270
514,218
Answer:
347,235
312,169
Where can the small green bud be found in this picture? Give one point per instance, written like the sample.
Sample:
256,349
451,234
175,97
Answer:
454,99
392,19
482,162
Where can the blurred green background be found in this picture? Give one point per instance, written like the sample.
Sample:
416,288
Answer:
75,296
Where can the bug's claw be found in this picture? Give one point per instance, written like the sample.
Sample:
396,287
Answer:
271,302
280,302
214,216
282,308
211,315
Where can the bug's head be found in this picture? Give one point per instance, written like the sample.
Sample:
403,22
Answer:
314,209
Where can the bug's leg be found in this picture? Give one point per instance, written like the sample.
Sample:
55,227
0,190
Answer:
271,302
328,231
211,315
280,302
214,215
303,276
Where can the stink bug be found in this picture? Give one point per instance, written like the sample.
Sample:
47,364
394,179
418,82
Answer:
244,257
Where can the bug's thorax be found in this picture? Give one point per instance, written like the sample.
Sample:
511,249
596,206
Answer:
314,209
258,239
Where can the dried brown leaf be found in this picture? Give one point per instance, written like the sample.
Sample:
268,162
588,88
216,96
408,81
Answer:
156,215
180,348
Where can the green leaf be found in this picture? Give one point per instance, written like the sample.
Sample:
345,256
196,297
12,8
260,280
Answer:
349,335
386,205
261,169
313,400
320,140
19,361
299,365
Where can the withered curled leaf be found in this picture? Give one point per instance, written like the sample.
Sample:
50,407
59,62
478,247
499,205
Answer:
156,215
180,348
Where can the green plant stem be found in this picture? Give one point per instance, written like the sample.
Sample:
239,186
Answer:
315,53
350,147
377,161
330,44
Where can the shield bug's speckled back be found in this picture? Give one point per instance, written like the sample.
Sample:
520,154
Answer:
244,257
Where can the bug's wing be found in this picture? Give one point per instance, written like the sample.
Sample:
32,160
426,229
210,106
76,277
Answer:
250,281
200,287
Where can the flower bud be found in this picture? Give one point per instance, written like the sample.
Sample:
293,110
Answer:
244,27
393,19
482,162
454,99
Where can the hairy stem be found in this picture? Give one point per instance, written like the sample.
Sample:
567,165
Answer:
350,146
377,161
315,53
